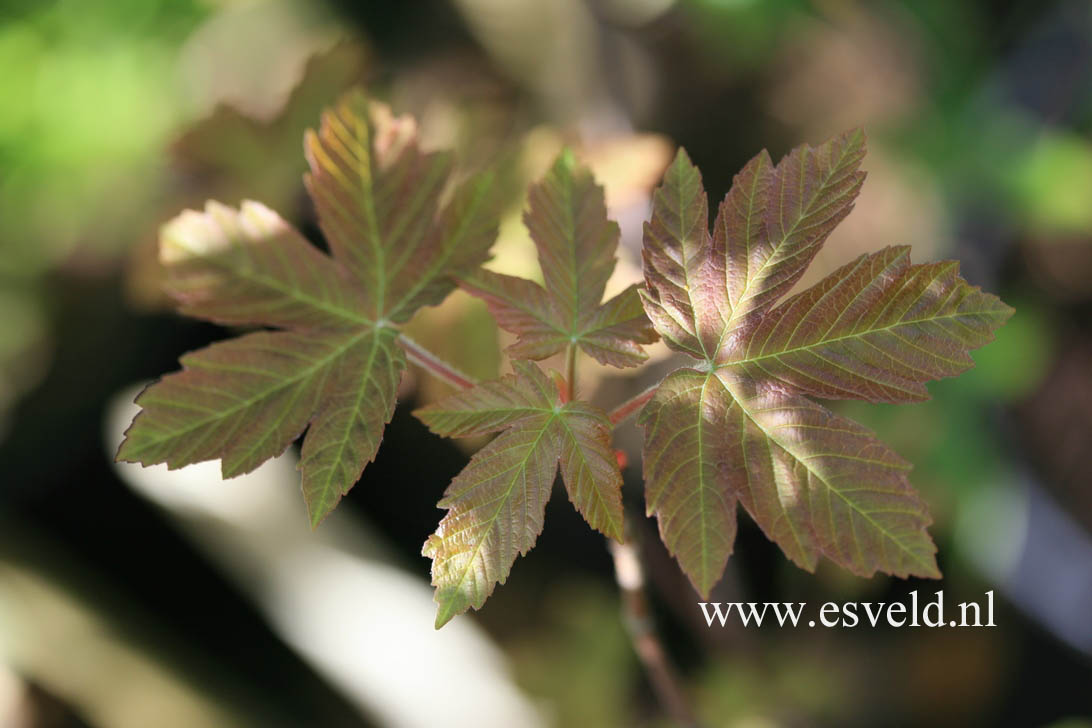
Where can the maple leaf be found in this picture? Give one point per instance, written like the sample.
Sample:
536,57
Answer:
738,428
333,365
576,244
496,505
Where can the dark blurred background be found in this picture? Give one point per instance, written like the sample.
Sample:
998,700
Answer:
134,597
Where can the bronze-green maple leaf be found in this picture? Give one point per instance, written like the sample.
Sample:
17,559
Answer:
332,363
738,426
496,505
576,244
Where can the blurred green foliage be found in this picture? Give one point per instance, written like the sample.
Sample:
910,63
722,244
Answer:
91,97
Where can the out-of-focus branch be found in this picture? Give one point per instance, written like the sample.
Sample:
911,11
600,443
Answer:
630,576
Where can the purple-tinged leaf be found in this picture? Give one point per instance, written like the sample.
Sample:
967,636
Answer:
686,458
614,332
875,329
810,191
685,295
739,428
589,468
739,233
496,505
820,484
495,508
576,243
335,368
492,406
567,220
523,307
377,198
250,267
356,405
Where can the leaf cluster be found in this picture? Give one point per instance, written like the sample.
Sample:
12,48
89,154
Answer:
737,426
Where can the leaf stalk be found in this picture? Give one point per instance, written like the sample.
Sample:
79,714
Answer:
570,371
622,412
433,364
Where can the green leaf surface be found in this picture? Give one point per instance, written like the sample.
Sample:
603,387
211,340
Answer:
377,194
249,267
685,455
497,503
739,428
876,329
685,289
333,365
576,244
809,192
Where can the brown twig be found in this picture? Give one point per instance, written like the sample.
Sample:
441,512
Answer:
629,573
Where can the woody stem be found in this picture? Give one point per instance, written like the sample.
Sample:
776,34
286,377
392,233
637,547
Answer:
629,573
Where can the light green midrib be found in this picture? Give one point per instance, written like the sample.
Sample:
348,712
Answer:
574,269
517,412
330,469
501,502
599,498
515,303
579,335
446,250
928,567
781,243
701,489
250,274
704,230
747,237
854,335
281,383
362,140
434,170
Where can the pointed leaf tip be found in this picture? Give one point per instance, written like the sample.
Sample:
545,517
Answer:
681,160
496,505
566,160
738,428
576,244
330,366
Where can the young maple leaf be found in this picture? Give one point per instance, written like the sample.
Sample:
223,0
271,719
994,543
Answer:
576,244
333,364
496,505
738,427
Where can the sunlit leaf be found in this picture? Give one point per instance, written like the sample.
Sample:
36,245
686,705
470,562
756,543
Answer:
576,245
875,329
738,428
497,504
334,365
376,194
